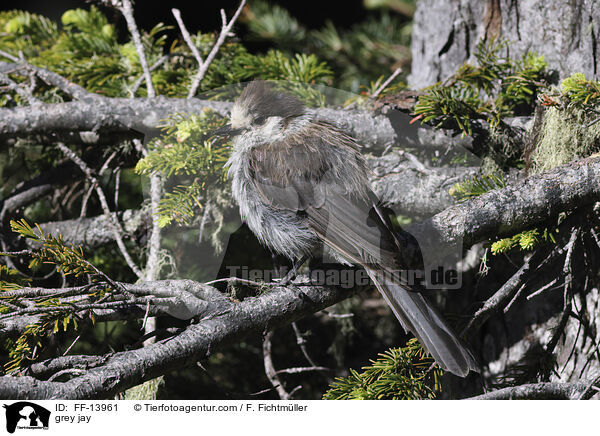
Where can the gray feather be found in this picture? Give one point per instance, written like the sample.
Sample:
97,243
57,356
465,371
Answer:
301,182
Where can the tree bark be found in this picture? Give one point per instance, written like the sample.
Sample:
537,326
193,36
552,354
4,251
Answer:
446,33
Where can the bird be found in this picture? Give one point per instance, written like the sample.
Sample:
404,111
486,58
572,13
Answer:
301,183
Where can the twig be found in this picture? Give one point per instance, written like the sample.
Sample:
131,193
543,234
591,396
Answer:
204,220
9,305
153,261
140,79
12,85
85,200
126,9
117,186
589,391
186,36
9,56
236,280
542,289
66,371
567,270
225,30
116,227
500,298
72,344
299,370
51,78
302,344
270,368
140,147
386,83
293,391
517,294
338,315
88,194
559,329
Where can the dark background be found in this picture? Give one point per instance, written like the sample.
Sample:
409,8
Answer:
205,16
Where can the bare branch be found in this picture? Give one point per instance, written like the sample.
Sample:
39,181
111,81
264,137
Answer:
51,78
386,83
302,344
140,79
537,391
127,10
186,37
500,298
270,368
302,369
118,116
96,231
128,368
225,31
506,211
116,226
28,96
9,56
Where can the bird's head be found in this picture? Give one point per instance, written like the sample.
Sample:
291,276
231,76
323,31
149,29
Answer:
261,111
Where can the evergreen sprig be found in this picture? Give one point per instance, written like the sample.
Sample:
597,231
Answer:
11,279
86,49
398,374
192,158
60,315
358,55
525,241
27,346
580,90
497,86
477,186
68,259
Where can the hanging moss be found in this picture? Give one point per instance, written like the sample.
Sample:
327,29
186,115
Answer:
150,390
566,134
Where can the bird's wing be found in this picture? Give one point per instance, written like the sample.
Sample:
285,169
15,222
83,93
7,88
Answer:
326,182
338,205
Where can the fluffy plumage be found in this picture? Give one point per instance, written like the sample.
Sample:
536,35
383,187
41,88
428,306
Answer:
301,182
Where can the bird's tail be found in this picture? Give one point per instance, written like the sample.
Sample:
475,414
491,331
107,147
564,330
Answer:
418,316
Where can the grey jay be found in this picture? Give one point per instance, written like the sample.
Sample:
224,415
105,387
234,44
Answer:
302,183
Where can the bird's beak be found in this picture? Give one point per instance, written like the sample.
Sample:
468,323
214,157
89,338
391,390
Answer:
226,131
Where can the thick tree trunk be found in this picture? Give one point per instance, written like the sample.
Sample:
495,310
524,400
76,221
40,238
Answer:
446,34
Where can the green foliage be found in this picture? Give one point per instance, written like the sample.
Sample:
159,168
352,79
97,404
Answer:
580,90
87,51
453,106
405,7
398,374
358,55
29,343
276,66
525,241
494,88
11,279
188,149
56,315
372,48
268,22
68,259
477,186
23,31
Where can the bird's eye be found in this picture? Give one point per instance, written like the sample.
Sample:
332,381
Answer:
260,120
